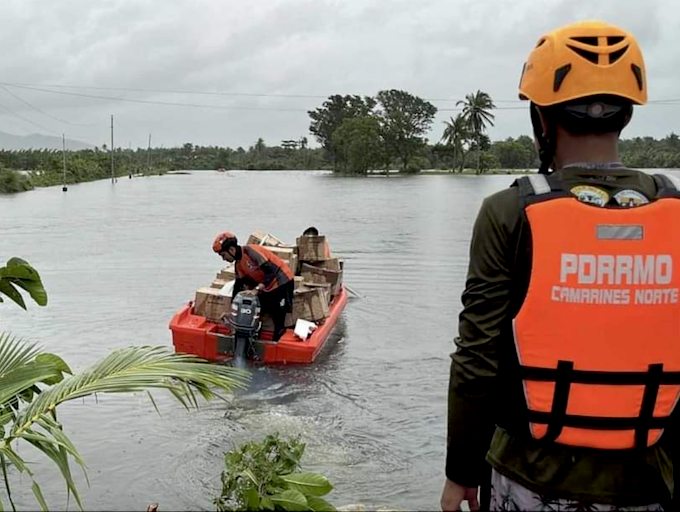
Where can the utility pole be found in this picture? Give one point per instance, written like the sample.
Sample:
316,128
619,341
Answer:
129,159
148,157
63,153
112,174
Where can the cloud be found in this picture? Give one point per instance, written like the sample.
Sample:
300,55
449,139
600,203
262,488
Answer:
438,49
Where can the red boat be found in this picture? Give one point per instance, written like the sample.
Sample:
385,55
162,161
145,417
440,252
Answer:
194,334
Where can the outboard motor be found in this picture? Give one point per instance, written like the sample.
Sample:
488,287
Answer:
245,321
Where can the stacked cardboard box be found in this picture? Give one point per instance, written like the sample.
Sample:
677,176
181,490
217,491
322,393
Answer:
261,238
310,303
211,304
313,248
314,274
227,274
318,278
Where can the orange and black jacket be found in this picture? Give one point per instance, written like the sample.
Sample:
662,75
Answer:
260,266
489,419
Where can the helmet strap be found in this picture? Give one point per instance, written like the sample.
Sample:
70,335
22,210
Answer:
546,143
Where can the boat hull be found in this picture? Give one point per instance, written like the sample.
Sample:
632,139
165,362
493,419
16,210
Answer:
194,334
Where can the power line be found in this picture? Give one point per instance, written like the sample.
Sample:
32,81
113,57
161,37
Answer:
154,102
40,110
208,93
12,113
172,91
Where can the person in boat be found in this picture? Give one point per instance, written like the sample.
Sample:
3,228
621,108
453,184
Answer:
263,273
553,385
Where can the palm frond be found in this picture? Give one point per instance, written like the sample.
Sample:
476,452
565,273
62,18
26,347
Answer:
127,370
136,369
14,353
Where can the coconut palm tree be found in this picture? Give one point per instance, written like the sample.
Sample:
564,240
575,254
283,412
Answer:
34,383
455,135
477,112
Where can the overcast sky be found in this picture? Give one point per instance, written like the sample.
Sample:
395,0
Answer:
438,49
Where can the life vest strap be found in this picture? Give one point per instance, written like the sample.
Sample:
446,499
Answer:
602,422
538,187
667,185
565,375
598,377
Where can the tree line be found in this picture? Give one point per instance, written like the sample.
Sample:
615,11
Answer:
356,134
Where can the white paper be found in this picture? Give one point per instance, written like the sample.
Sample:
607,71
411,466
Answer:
304,328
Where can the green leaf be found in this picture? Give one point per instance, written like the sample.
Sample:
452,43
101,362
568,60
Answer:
34,288
248,473
252,499
317,504
55,362
266,503
309,484
11,292
291,500
19,269
39,496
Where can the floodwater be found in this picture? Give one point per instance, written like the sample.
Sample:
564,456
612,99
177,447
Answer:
119,259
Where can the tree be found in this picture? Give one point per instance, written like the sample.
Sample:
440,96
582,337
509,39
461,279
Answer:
405,120
358,145
513,154
260,146
328,118
456,135
477,112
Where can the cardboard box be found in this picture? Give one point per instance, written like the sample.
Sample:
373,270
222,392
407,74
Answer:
261,238
310,304
287,254
227,274
218,284
326,287
313,248
329,264
210,304
314,274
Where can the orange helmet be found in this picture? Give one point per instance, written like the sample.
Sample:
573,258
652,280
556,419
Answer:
588,58
223,241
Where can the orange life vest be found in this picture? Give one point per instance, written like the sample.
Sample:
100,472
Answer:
598,333
250,266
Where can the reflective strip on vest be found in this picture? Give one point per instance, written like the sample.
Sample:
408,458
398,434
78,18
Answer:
539,183
598,334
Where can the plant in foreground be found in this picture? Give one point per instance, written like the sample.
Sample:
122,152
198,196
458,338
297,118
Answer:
265,476
33,383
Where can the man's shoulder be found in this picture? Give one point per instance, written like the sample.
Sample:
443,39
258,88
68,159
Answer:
503,202
500,212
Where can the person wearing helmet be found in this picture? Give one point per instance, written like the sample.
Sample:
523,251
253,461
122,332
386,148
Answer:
564,380
266,274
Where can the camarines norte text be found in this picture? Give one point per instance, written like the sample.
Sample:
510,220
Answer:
615,279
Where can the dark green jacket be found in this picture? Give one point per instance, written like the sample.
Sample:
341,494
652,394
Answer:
487,413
